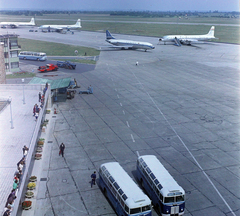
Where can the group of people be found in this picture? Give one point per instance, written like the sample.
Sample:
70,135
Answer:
41,99
16,180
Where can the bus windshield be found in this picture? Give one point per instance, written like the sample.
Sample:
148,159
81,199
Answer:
168,199
179,198
135,210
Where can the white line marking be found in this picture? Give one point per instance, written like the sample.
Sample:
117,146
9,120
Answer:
127,124
132,138
123,112
210,181
120,104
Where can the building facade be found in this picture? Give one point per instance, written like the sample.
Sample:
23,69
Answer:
11,49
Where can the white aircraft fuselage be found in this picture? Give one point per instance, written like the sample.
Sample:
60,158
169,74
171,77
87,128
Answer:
127,44
131,44
62,27
17,24
188,39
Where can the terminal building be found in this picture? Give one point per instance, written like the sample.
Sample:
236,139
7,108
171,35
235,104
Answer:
11,49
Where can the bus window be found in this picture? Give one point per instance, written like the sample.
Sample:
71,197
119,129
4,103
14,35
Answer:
135,210
116,185
148,170
156,182
111,179
126,209
161,197
179,198
144,164
124,196
146,208
120,192
168,199
152,176
107,173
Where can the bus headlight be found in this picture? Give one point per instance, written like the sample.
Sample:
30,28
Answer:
167,211
181,210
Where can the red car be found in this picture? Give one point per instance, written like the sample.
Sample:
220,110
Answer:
48,67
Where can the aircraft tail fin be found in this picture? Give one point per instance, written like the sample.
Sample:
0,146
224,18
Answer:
78,23
108,35
211,31
32,22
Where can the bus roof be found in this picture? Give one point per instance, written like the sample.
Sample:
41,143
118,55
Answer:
33,52
166,180
136,198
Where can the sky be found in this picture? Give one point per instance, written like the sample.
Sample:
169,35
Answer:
136,5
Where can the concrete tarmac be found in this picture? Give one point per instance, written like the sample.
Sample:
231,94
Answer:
180,104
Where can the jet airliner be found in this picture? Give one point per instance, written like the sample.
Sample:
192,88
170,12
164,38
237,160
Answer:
59,28
127,44
17,24
188,39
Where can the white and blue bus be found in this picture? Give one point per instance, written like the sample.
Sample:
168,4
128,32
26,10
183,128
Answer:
167,196
122,192
28,55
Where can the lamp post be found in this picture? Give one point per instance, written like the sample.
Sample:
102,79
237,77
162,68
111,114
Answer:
23,92
10,102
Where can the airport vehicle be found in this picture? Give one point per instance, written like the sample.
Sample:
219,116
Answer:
48,67
127,44
66,64
167,196
70,93
122,192
29,55
188,39
60,28
17,24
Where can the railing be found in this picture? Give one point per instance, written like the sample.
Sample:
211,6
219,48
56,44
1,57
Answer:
30,158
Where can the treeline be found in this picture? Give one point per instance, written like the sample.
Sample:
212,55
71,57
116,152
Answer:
151,14
233,14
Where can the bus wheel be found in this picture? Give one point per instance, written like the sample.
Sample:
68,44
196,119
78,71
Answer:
37,59
24,58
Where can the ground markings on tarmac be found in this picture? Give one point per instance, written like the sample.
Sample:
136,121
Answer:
185,146
132,137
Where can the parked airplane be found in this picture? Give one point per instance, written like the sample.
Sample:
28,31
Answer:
59,28
17,24
188,39
127,44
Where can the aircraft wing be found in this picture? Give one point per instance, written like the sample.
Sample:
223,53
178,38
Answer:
189,41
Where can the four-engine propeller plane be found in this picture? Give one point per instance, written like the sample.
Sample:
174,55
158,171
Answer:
188,39
17,24
60,28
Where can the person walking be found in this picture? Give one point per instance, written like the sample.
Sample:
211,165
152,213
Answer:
25,151
93,176
39,97
61,151
34,110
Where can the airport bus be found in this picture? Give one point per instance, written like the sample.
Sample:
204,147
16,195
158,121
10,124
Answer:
166,195
28,55
122,192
